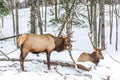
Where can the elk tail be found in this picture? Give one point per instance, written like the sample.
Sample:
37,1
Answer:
21,40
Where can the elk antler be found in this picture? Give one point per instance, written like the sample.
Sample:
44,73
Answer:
91,41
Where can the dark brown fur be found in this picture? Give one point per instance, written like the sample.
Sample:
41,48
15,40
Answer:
93,57
41,43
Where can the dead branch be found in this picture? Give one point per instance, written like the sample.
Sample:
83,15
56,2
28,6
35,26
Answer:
58,71
115,59
12,51
9,37
77,66
4,54
15,66
71,57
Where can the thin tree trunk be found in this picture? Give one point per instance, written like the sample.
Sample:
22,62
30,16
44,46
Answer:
99,30
89,17
2,21
33,25
95,24
42,8
116,10
17,20
111,7
13,20
26,3
55,9
102,25
45,15
39,18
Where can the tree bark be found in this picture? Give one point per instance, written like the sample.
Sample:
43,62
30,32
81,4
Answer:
102,24
55,9
117,12
33,20
95,24
111,19
13,20
17,19
39,18
45,15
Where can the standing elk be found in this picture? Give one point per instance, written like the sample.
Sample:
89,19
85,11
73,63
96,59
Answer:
94,57
41,43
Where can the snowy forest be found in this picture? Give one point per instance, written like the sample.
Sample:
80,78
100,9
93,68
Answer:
92,27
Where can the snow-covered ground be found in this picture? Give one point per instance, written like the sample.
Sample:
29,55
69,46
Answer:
107,69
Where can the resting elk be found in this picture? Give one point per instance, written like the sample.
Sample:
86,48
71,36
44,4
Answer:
41,43
94,57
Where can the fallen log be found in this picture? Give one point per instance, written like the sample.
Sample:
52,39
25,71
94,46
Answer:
16,59
65,64
68,64
13,59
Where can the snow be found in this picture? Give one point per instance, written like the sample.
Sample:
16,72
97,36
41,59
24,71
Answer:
107,69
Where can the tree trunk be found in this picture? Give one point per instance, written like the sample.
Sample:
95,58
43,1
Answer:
33,25
13,20
39,18
111,7
117,12
17,19
55,9
102,25
45,15
93,20
89,17
26,4
42,7
95,24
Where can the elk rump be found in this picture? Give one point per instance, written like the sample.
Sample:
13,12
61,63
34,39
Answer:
41,43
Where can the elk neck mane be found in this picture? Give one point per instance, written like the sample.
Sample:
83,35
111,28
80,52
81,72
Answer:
94,55
59,44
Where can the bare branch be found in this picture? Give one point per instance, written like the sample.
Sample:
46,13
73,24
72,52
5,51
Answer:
115,59
4,54
9,37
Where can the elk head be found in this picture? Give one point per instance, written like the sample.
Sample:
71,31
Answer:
97,50
67,43
99,53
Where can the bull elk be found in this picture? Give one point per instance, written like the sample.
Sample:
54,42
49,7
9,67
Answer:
41,43
94,57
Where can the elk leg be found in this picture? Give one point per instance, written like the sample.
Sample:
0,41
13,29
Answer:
48,60
22,58
22,62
